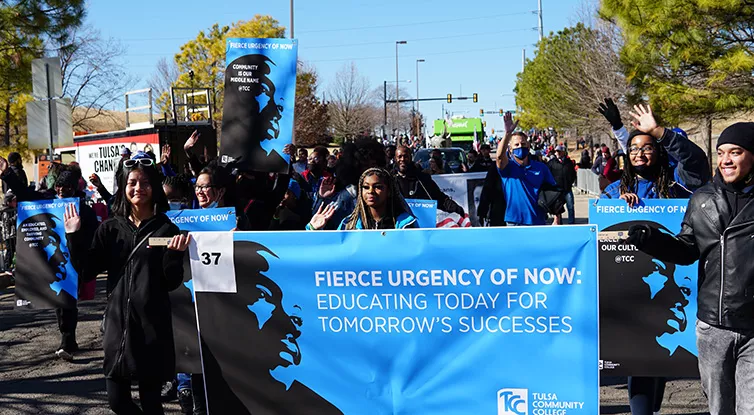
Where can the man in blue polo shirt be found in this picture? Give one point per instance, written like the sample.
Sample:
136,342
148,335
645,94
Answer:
521,177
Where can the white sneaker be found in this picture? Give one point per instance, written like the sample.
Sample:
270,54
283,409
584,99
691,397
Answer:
62,354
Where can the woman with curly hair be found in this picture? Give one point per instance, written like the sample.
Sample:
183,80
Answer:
379,205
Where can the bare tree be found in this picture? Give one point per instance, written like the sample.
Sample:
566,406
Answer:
94,76
165,76
397,122
352,110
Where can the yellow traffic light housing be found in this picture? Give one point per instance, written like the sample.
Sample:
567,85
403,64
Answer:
475,97
481,113
450,98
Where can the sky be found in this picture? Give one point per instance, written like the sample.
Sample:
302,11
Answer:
468,48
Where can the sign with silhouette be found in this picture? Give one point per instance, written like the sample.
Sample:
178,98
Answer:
260,92
45,276
647,306
398,321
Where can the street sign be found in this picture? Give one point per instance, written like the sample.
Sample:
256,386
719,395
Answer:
38,117
46,72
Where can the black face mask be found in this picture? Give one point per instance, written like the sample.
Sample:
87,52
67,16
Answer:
647,172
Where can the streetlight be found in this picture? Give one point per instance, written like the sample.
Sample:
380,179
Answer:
397,93
416,114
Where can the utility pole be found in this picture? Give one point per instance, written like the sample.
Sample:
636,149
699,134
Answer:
416,114
523,59
292,19
397,92
539,14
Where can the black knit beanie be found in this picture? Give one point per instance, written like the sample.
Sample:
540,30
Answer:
67,179
740,134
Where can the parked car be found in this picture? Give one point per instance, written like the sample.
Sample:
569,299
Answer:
453,158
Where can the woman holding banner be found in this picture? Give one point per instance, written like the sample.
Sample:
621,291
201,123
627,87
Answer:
379,206
648,174
138,339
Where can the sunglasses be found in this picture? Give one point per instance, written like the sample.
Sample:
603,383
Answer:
141,162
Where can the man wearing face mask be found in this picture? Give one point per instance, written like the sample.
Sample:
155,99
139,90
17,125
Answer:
522,178
65,186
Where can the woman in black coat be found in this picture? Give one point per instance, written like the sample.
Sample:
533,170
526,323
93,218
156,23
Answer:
138,339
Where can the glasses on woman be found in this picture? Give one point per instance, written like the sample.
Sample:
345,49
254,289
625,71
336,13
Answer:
141,162
647,149
204,188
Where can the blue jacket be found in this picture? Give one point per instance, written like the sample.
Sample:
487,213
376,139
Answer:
691,171
404,221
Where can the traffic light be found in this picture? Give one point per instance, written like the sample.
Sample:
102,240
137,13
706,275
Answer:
484,124
481,113
493,131
475,97
501,112
450,98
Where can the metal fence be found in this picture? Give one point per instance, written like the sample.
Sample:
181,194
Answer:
588,182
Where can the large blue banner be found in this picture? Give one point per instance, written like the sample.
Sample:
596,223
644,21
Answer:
387,322
44,272
647,306
185,335
260,92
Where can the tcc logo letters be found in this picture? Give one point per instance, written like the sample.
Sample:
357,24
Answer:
513,402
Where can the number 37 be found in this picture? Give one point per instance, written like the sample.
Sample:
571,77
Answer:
207,258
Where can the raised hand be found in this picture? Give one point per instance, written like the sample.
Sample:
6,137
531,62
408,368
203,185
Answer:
179,243
323,215
611,113
192,140
71,219
510,126
327,187
95,180
288,149
638,235
645,122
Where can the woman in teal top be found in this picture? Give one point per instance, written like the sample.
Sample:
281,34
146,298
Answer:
379,206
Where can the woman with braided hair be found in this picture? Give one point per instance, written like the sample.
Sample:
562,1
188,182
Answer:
649,174
379,205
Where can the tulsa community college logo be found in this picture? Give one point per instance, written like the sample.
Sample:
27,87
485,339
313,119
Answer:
513,402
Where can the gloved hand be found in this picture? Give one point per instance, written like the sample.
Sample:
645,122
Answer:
638,235
610,111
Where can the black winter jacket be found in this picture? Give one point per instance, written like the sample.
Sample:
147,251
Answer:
138,338
419,185
564,173
726,277
492,203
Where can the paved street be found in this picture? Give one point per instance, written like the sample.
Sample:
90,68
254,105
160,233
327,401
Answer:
32,381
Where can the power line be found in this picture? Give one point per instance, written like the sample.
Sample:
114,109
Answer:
415,23
416,56
303,47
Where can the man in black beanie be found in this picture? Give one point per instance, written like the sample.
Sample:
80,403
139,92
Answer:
717,231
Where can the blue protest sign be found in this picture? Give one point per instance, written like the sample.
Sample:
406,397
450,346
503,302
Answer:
385,322
44,274
260,92
647,306
204,220
425,212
